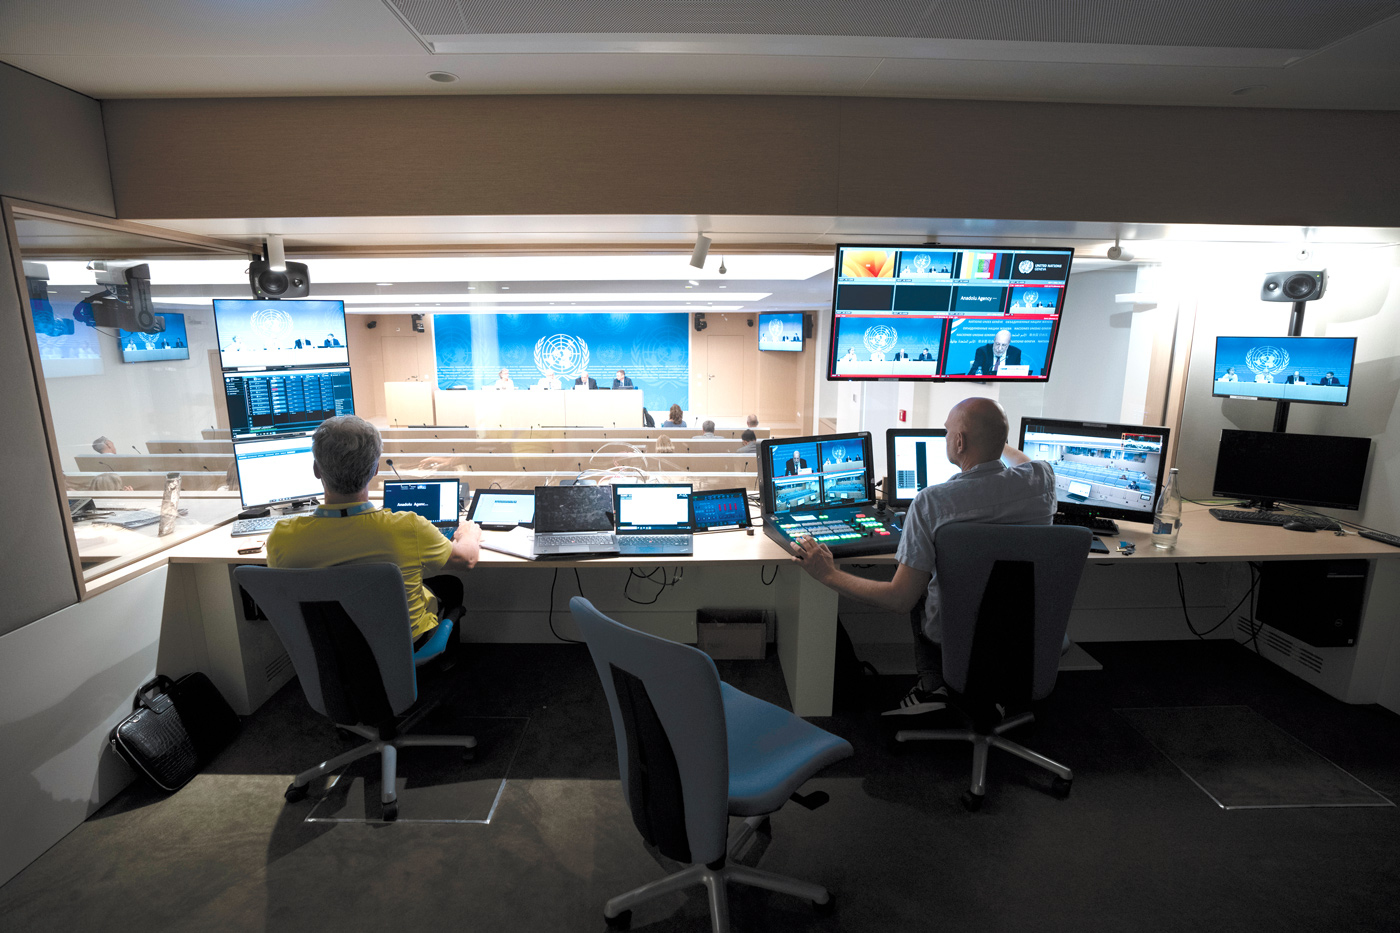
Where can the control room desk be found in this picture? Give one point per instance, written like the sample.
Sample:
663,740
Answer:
248,663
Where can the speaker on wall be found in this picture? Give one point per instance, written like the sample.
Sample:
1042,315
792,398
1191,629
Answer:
700,323
1294,286
806,327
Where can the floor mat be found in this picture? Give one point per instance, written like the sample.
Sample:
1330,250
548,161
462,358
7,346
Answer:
1243,761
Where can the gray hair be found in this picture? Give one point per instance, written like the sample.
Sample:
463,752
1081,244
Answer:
347,450
708,427
753,421
100,445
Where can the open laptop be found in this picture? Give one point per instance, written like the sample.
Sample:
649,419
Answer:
437,500
654,519
502,509
573,520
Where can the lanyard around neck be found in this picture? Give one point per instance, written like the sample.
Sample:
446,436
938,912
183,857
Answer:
330,511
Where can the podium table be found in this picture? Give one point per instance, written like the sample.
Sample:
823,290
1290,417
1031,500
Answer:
539,408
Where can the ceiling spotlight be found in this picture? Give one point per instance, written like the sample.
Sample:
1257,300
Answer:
442,77
702,249
1118,253
693,282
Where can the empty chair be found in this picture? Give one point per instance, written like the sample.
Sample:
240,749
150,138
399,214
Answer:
348,633
1006,593
694,751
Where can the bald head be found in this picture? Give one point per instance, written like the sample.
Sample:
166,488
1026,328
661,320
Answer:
976,431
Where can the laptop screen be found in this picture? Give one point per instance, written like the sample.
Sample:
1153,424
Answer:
573,509
435,500
653,508
503,507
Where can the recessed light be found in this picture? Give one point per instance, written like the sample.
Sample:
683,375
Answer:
505,288
384,284
1248,89
442,77
693,282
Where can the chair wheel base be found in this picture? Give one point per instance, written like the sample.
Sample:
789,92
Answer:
973,802
391,811
622,921
1060,787
293,793
827,907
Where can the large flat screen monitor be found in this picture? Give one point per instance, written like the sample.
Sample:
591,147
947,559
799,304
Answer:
256,333
1285,369
284,401
170,344
946,312
1102,470
780,330
275,469
1265,467
816,472
915,458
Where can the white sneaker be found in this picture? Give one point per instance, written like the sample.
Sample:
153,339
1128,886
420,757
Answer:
919,701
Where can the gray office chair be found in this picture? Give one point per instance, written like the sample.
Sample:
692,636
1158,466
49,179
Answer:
693,752
348,633
1006,594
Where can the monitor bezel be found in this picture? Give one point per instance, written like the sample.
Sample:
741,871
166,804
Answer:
617,505
831,375
1351,371
476,498
384,490
251,367
1076,510
767,495
244,373
890,435
316,492
1269,502
801,332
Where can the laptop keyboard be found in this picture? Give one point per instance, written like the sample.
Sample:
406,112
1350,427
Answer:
655,540
572,540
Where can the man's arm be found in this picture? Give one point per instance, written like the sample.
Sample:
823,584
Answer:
898,595
466,547
1013,457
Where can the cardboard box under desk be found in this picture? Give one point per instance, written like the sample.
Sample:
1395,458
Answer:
732,634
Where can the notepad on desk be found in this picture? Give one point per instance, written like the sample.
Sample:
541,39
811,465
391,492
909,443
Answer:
518,542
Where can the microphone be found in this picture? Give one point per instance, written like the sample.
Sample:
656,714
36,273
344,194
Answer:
394,468
138,450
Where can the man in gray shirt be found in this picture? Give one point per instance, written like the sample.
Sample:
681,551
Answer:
998,484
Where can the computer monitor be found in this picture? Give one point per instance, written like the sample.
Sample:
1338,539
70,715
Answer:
816,472
781,330
659,508
1285,369
1265,468
284,401
720,508
914,459
260,333
931,313
499,508
170,344
272,470
437,500
1110,471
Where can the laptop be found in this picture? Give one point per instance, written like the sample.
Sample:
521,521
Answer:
573,520
1079,492
654,519
502,509
437,500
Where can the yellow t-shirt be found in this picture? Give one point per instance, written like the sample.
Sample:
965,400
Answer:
403,538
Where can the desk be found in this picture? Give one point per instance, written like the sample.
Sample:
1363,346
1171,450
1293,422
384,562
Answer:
246,661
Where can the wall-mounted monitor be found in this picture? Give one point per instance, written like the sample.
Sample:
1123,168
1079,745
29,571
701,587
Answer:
1266,467
258,334
170,344
1102,470
780,330
1285,369
934,313
915,458
286,401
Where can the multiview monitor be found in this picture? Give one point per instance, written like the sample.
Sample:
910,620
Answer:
285,401
915,458
274,470
934,313
257,334
1266,467
1102,470
1285,369
780,330
815,472
170,344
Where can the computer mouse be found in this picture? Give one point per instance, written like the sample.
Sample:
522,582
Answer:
1297,526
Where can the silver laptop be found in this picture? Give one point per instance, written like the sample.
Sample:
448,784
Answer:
654,519
437,500
574,520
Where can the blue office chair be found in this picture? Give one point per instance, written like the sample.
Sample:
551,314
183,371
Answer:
1006,593
692,752
348,633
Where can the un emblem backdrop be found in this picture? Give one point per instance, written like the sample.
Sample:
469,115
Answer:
654,349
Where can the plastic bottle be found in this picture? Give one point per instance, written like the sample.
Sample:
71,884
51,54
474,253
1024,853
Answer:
1166,518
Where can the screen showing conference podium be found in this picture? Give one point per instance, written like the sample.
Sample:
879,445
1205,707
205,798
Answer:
823,487
1285,369
1110,471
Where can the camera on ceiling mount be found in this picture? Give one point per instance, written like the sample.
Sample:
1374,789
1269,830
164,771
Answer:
126,301
274,277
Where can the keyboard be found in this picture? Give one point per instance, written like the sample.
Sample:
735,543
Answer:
138,519
1262,517
1099,526
254,526
1384,537
573,540
655,540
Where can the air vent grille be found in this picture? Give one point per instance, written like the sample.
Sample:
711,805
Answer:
1279,643
276,667
1309,659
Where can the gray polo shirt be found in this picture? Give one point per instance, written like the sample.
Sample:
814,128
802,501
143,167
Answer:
989,492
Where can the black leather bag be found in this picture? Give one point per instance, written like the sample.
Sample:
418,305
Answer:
175,729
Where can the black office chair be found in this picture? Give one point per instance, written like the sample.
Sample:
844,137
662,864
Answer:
693,752
1006,593
348,633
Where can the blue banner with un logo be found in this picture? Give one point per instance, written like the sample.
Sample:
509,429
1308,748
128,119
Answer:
653,350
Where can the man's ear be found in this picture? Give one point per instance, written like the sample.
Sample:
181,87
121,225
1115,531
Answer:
315,469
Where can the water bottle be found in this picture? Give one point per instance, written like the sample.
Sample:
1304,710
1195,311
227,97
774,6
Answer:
1166,518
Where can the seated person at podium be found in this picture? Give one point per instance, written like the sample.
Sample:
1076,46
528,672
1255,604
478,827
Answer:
620,381
549,381
877,356
1329,380
750,440
1230,376
1263,377
850,356
709,428
586,380
901,355
676,419
998,484
925,356
349,529
752,421
503,380
796,466
1297,379
331,341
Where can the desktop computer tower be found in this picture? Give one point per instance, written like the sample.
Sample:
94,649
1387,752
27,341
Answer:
1318,602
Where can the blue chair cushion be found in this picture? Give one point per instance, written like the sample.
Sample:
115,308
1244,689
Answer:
771,752
435,645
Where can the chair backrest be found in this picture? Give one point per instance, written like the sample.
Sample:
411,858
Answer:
348,633
672,747
1005,595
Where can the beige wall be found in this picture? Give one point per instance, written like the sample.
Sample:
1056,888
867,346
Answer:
852,157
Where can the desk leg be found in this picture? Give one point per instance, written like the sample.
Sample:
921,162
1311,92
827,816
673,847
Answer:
806,640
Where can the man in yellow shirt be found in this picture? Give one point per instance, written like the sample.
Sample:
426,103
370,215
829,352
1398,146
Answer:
349,529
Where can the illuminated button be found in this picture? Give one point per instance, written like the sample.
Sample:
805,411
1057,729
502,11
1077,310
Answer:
883,532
